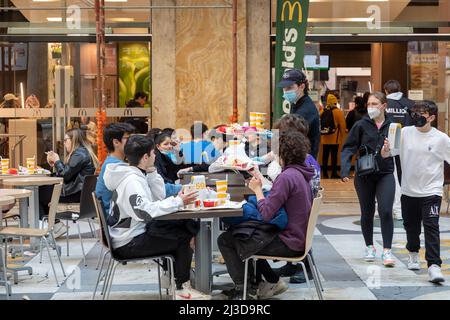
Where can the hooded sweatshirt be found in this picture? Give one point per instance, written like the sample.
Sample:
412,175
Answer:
292,191
137,199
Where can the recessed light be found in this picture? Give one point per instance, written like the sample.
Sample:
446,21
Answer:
54,19
116,0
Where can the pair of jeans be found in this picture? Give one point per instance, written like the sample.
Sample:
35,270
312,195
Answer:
416,210
236,267
381,187
147,245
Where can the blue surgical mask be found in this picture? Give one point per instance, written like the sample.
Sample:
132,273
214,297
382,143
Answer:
290,96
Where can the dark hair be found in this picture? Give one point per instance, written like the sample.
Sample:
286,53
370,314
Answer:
380,96
204,128
116,131
293,148
425,106
168,131
136,147
293,122
158,135
140,95
366,98
359,104
392,86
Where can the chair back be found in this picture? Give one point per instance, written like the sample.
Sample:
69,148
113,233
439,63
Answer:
53,205
106,239
87,207
312,222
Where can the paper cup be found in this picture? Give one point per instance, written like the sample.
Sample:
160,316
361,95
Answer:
199,182
222,186
5,165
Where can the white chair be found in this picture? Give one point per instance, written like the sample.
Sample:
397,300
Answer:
315,210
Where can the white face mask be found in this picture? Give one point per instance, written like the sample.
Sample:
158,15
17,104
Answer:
274,170
373,112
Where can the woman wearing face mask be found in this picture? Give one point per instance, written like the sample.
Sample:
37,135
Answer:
370,133
167,161
423,150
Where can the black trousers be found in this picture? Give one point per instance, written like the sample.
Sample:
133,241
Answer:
147,245
45,196
327,149
236,267
383,188
416,210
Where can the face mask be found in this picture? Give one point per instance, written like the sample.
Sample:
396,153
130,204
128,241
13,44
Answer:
290,96
373,112
419,121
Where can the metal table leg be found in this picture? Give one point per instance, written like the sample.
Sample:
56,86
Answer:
203,259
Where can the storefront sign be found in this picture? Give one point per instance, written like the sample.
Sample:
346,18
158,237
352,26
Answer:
292,18
416,95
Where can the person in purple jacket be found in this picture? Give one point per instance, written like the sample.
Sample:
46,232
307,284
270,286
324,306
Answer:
290,190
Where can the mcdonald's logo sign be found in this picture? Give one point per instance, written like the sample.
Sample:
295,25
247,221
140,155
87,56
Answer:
291,10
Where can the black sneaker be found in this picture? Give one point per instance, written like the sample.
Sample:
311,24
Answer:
287,270
299,277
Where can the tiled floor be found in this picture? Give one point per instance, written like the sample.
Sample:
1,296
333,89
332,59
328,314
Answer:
338,248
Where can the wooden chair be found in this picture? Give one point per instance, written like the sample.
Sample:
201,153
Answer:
116,261
6,201
315,210
40,233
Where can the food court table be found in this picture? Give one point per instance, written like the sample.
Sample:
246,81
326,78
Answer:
32,184
203,248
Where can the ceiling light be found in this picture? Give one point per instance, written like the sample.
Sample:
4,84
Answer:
54,19
122,19
340,19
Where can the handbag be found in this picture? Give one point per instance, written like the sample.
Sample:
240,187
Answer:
366,164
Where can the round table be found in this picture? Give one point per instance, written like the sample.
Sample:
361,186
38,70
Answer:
6,201
32,184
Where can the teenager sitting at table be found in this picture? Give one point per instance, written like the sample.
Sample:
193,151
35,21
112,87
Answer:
80,162
168,160
290,190
115,136
199,153
139,198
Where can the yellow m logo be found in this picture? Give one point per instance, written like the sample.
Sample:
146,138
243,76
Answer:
291,7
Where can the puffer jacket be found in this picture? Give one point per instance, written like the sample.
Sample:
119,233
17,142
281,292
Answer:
79,166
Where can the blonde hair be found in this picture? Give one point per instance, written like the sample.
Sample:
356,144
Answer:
79,140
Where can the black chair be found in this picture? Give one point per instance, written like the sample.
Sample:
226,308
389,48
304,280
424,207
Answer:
86,212
116,261
447,183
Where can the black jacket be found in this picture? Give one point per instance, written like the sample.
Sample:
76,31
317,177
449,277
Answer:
306,108
397,110
366,133
253,236
166,168
80,165
354,116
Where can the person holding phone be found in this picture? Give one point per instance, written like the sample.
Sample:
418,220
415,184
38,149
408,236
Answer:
368,135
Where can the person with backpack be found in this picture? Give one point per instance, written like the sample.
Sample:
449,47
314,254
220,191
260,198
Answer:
332,127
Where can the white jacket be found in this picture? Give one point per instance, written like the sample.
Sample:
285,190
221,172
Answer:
136,200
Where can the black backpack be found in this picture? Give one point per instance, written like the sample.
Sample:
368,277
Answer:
327,125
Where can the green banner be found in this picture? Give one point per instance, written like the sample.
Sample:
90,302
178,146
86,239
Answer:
292,20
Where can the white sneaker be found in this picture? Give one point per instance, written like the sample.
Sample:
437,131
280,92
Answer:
188,293
414,263
388,259
397,216
59,229
267,290
435,274
370,254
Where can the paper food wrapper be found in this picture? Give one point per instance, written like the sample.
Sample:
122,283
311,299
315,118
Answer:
394,137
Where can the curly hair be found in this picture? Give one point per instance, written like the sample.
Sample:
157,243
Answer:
293,122
293,148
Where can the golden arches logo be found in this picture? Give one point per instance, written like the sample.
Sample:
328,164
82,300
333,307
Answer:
291,7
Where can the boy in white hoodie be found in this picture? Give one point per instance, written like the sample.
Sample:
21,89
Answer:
138,198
